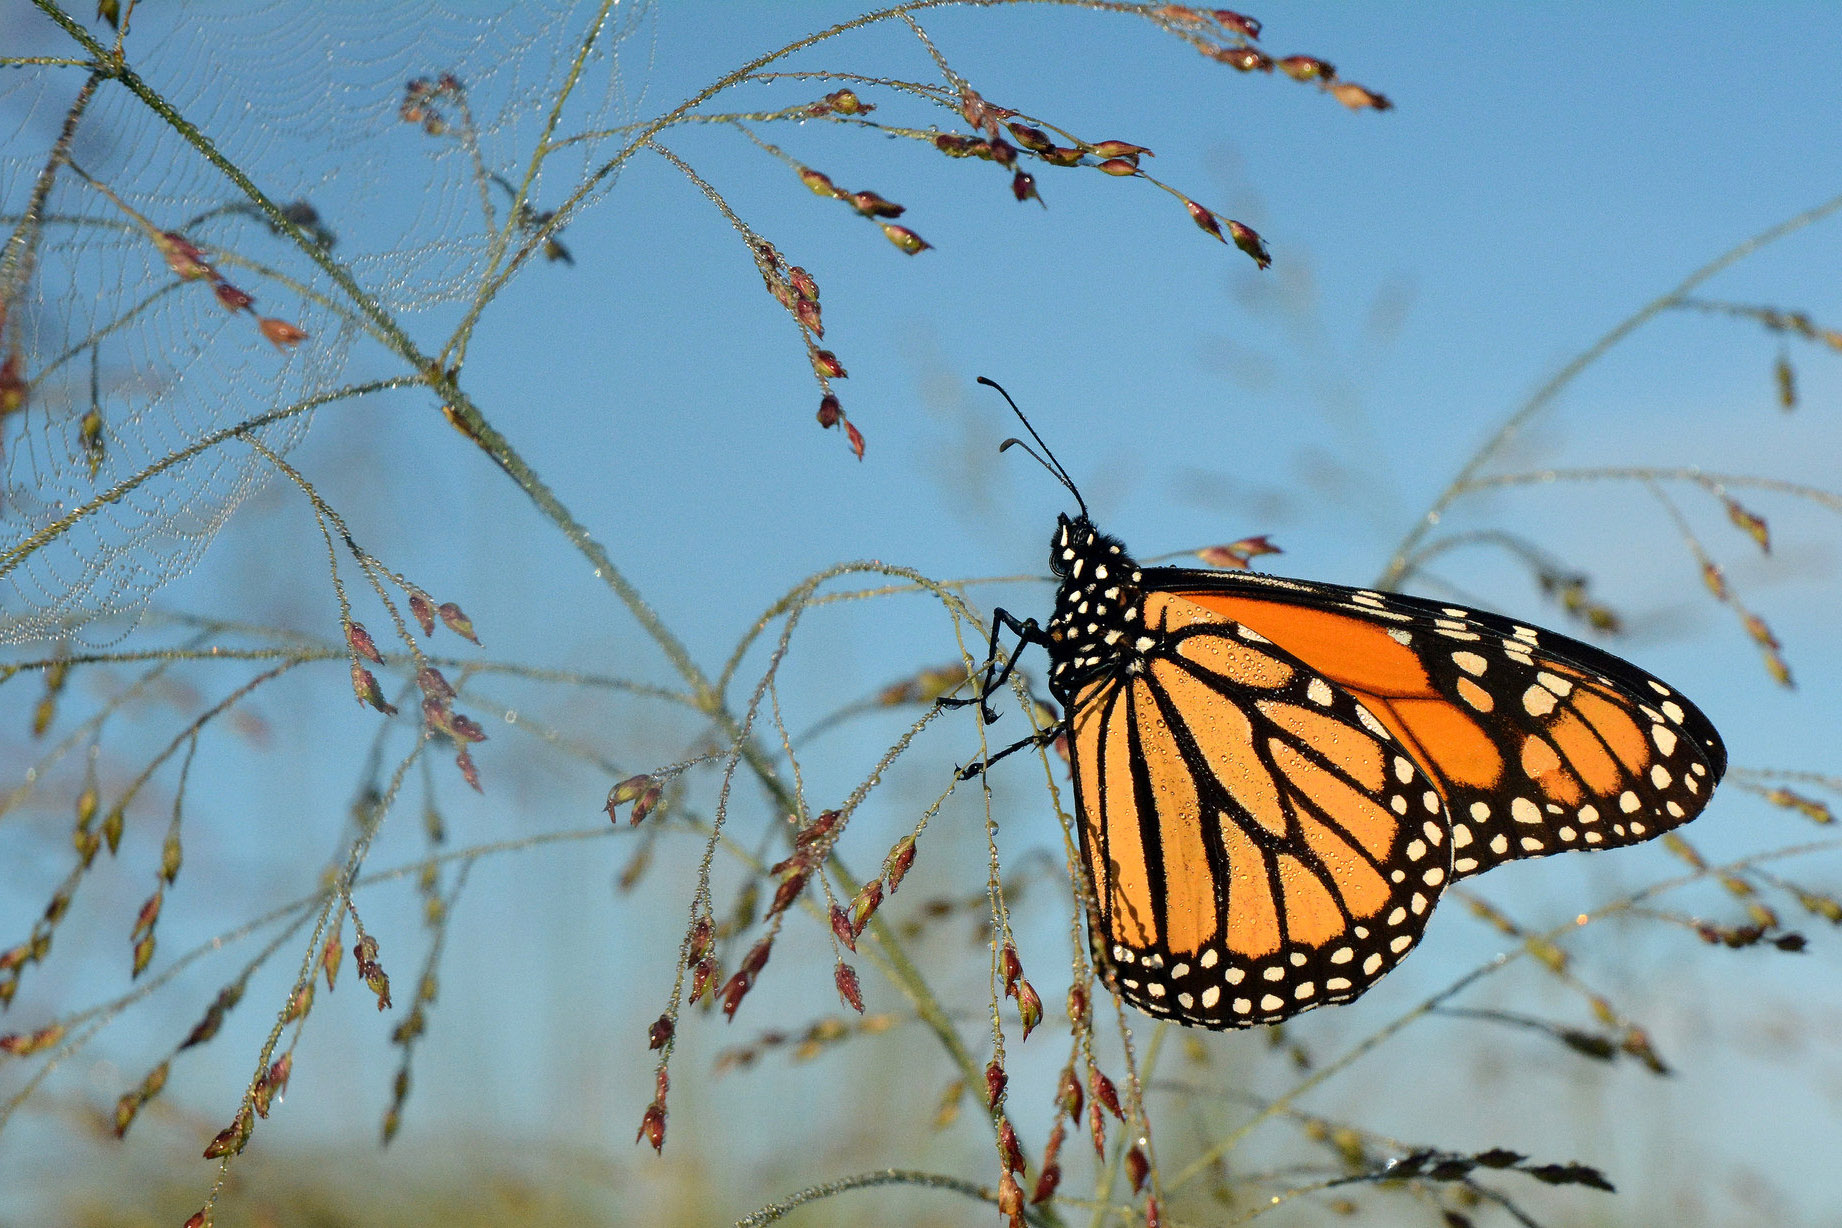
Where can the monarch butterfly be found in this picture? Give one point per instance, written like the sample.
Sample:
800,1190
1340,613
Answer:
1274,779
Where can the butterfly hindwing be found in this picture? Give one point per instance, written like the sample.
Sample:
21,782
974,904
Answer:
1256,840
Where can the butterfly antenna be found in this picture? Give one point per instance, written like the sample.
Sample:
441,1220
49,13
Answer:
1051,464
1014,442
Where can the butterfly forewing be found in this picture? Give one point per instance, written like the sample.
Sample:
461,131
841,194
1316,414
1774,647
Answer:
1257,842
1538,742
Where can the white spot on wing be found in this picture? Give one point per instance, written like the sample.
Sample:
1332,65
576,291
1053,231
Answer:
1471,662
1370,723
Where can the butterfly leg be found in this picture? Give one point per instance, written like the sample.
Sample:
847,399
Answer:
1027,633
1041,737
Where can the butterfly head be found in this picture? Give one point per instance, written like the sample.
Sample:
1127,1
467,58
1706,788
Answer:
1077,539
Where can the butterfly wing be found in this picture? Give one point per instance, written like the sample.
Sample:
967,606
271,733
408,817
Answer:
1257,842
1537,742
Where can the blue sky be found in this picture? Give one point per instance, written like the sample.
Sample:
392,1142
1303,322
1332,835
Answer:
1544,173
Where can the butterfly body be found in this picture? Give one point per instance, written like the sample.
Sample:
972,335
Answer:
1275,779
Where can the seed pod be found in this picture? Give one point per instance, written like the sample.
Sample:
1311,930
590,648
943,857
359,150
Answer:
1104,1092
841,927
281,334
848,988
1248,240
1237,23
896,865
1137,1167
703,976
361,643
819,182
1033,139
1357,98
995,1083
1307,68
868,899
872,205
1009,1149
911,243
232,298
1068,1095
364,685
184,259
14,390
1010,1198
457,622
806,311
1029,1008
644,806
1121,149
652,1126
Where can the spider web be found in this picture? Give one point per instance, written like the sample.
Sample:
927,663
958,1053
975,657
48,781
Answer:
305,100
